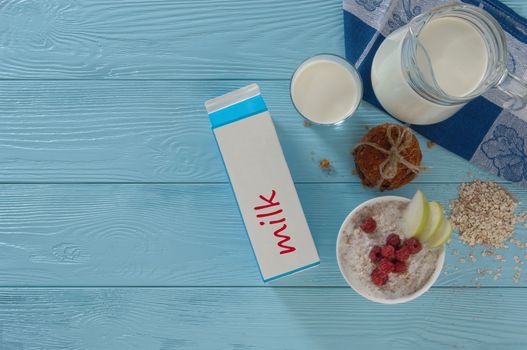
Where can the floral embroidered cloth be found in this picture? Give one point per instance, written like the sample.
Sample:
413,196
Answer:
483,132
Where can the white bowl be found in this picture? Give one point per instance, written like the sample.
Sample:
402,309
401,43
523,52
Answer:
359,288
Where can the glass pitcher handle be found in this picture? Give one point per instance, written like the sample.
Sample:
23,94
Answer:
515,91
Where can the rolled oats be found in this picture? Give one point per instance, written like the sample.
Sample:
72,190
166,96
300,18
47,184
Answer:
484,213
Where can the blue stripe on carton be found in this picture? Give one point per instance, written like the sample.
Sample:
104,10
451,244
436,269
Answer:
238,111
292,272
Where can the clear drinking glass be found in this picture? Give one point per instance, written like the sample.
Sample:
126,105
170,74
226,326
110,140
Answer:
326,89
416,83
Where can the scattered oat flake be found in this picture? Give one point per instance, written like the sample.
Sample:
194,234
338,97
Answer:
461,260
516,277
498,274
472,257
478,285
484,272
517,242
430,144
487,252
484,213
522,217
455,252
500,257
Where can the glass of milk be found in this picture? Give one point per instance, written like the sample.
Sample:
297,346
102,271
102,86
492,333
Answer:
326,89
427,70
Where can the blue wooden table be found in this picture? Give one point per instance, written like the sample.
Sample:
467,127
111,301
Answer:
118,229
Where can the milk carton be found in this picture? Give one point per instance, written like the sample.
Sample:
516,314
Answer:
262,183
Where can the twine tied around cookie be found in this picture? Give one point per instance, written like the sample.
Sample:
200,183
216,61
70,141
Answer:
388,167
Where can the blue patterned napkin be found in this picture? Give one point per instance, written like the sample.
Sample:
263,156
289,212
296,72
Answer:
483,132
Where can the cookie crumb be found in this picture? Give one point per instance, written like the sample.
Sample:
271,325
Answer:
307,123
325,164
430,144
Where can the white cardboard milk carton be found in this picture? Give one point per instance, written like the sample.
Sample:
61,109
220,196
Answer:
262,183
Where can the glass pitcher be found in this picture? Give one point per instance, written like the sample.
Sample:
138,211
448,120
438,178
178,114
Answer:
427,70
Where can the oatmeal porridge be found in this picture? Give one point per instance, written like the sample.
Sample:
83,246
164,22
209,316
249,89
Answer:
375,257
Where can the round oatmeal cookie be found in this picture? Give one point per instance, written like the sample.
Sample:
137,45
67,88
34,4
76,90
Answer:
386,162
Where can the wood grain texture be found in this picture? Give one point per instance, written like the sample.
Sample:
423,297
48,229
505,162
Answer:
108,131
190,235
258,318
165,39
99,130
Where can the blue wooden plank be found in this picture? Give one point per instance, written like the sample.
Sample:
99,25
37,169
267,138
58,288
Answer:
190,235
93,235
93,131
164,39
167,39
258,318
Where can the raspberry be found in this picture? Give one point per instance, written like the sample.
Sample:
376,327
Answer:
388,251
376,254
385,265
400,267
393,240
402,254
379,278
413,245
369,225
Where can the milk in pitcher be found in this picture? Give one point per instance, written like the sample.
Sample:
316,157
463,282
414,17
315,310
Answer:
457,60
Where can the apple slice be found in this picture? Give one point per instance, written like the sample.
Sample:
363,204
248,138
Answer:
441,235
415,215
435,219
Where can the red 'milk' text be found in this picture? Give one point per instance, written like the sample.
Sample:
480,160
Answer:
270,213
